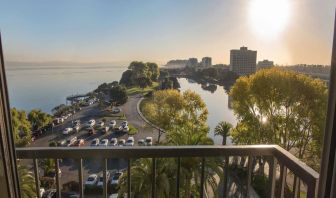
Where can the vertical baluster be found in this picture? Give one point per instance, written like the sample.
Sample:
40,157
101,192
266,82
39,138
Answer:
283,176
312,189
272,176
249,176
129,178
37,176
153,178
202,178
178,177
105,178
226,176
296,187
80,177
58,188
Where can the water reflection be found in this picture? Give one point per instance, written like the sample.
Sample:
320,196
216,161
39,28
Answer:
217,103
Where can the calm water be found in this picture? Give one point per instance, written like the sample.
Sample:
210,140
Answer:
46,87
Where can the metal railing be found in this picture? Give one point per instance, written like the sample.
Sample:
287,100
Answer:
277,157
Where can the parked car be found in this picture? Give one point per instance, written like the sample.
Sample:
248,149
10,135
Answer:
91,123
116,110
101,179
121,142
91,131
91,180
79,142
112,123
124,124
115,178
100,123
141,142
95,142
67,130
103,142
62,142
76,128
130,141
71,141
76,123
105,129
149,141
114,142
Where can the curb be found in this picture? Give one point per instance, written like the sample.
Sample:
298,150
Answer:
143,117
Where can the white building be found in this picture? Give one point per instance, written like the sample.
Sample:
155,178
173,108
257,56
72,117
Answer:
192,62
206,62
243,61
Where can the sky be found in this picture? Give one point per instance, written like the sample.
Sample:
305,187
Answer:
119,31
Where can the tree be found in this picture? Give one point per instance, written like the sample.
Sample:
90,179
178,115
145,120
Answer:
21,127
154,71
118,94
184,118
223,129
126,78
141,178
281,107
27,182
39,119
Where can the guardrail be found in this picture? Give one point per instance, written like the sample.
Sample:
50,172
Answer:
277,156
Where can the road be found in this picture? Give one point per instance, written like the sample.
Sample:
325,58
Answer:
69,167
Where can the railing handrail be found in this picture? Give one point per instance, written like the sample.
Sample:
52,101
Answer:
284,157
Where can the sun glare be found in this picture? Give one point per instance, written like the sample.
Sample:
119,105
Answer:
268,17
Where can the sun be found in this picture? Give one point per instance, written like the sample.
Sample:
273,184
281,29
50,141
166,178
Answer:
268,18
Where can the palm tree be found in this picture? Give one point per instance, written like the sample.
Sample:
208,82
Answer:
223,128
27,182
141,173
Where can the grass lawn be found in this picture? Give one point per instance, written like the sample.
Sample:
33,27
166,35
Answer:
138,90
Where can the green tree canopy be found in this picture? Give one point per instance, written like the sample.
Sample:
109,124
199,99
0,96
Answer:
118,94
21,127
281,107
140,74
39,119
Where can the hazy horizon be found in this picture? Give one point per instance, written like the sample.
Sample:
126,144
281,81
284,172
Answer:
287,32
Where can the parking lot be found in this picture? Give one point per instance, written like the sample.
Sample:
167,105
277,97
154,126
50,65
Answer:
69,167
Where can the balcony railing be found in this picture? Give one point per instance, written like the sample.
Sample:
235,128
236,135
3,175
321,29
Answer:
277,155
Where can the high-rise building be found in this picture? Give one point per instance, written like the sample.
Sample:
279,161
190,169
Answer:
192,62
206,62
265,64
243,61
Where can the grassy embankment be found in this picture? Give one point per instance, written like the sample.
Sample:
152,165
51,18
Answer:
138,90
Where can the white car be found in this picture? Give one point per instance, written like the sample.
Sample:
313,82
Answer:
91,123
76,128
66,131
114,142
95,142
112,123
125,129
124,124
141,142
103,142
149,141
71,141
130,141
101,123
91,180
121,142
115,178
101,179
